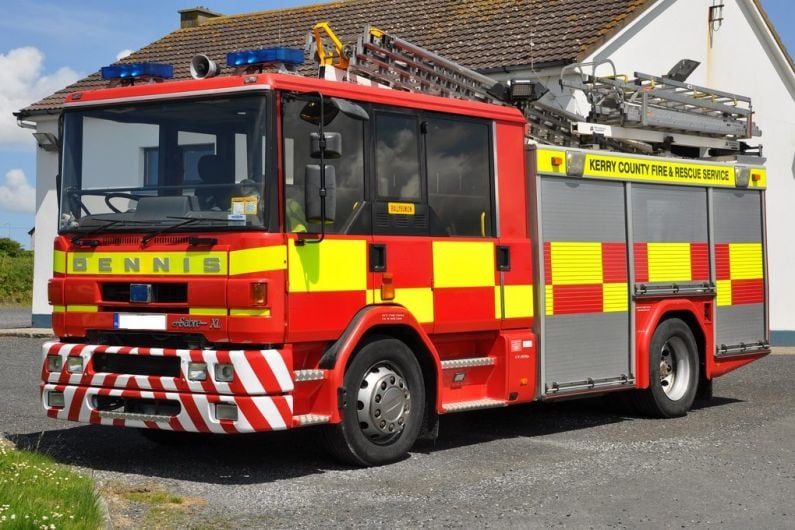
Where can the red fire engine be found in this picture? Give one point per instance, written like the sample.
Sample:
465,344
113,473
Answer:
265,251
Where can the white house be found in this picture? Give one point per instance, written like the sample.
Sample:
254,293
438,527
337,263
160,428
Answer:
734,41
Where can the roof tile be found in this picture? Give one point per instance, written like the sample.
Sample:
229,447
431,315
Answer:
480,34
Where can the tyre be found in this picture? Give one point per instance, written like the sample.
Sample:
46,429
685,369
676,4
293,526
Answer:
385,405
673,371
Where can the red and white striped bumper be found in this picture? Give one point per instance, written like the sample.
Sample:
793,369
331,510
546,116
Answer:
260,389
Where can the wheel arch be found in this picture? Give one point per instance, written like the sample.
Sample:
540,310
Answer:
686,311
393,321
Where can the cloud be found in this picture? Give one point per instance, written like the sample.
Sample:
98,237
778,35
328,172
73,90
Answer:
124,53
16,195
22,82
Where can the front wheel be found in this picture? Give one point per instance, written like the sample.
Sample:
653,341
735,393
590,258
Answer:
673,371
385,405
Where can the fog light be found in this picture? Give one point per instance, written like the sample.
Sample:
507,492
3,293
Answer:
54,363
224,373
55,399
74,365
197,371
226,411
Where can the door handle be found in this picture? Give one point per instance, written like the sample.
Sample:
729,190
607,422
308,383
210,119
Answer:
503,258
377,257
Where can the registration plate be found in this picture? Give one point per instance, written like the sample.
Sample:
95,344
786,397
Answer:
136,321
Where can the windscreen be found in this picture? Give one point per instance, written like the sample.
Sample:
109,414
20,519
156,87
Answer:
181,165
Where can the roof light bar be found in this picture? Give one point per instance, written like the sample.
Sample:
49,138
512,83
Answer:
137,70
289,56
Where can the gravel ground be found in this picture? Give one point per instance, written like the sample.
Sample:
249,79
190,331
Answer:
730,464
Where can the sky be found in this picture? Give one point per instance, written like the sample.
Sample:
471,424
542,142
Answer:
46,45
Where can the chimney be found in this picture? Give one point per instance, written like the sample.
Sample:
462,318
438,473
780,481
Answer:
195,16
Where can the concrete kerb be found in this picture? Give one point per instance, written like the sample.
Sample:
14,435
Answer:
31,333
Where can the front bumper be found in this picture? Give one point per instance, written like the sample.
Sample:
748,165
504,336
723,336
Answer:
259,395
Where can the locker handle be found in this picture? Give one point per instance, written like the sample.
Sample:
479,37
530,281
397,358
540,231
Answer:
377,258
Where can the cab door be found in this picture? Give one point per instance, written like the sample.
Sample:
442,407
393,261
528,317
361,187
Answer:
433,247
327,281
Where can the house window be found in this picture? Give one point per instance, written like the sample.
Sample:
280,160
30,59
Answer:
191,153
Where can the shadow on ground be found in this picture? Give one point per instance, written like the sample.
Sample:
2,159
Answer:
270,457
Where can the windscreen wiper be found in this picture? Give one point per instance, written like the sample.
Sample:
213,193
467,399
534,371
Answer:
79,239
185,222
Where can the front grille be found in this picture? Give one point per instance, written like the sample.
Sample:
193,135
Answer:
149,407
168,293
150,339
143,309
126,364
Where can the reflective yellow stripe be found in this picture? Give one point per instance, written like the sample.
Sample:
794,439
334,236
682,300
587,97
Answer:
58,308
669,262
265,312
150,263
207,311
615,297
332,265
724,295
59,261
745,261
549,301
258,259
649,170
518,301
463,264
418,300
576,263
82,308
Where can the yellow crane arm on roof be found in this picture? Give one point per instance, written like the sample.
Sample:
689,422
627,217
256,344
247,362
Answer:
330,49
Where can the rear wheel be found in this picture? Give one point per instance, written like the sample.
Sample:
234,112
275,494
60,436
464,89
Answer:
673,371
385,404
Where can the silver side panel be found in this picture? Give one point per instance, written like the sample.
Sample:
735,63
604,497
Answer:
738,218
740,324
579,210
582,350
669,214
587,345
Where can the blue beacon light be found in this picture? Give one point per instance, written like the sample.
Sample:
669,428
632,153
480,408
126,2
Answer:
287,56
137,70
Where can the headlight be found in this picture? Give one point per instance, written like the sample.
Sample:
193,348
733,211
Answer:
54,363
224,373
74,365
197,371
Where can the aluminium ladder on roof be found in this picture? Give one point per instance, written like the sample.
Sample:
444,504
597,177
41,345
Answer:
661,103
630,115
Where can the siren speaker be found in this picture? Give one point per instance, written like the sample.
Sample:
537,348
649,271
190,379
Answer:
202,66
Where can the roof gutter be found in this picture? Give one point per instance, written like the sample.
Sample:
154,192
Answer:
523,67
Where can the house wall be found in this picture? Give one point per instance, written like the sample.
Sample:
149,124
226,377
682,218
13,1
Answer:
46,224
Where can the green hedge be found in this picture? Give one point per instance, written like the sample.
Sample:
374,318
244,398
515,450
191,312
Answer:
16,278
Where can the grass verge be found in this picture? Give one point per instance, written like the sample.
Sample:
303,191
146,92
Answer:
36,492
16,278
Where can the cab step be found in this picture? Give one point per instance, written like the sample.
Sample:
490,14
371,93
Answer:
485,403
310,419
300,376
470,362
